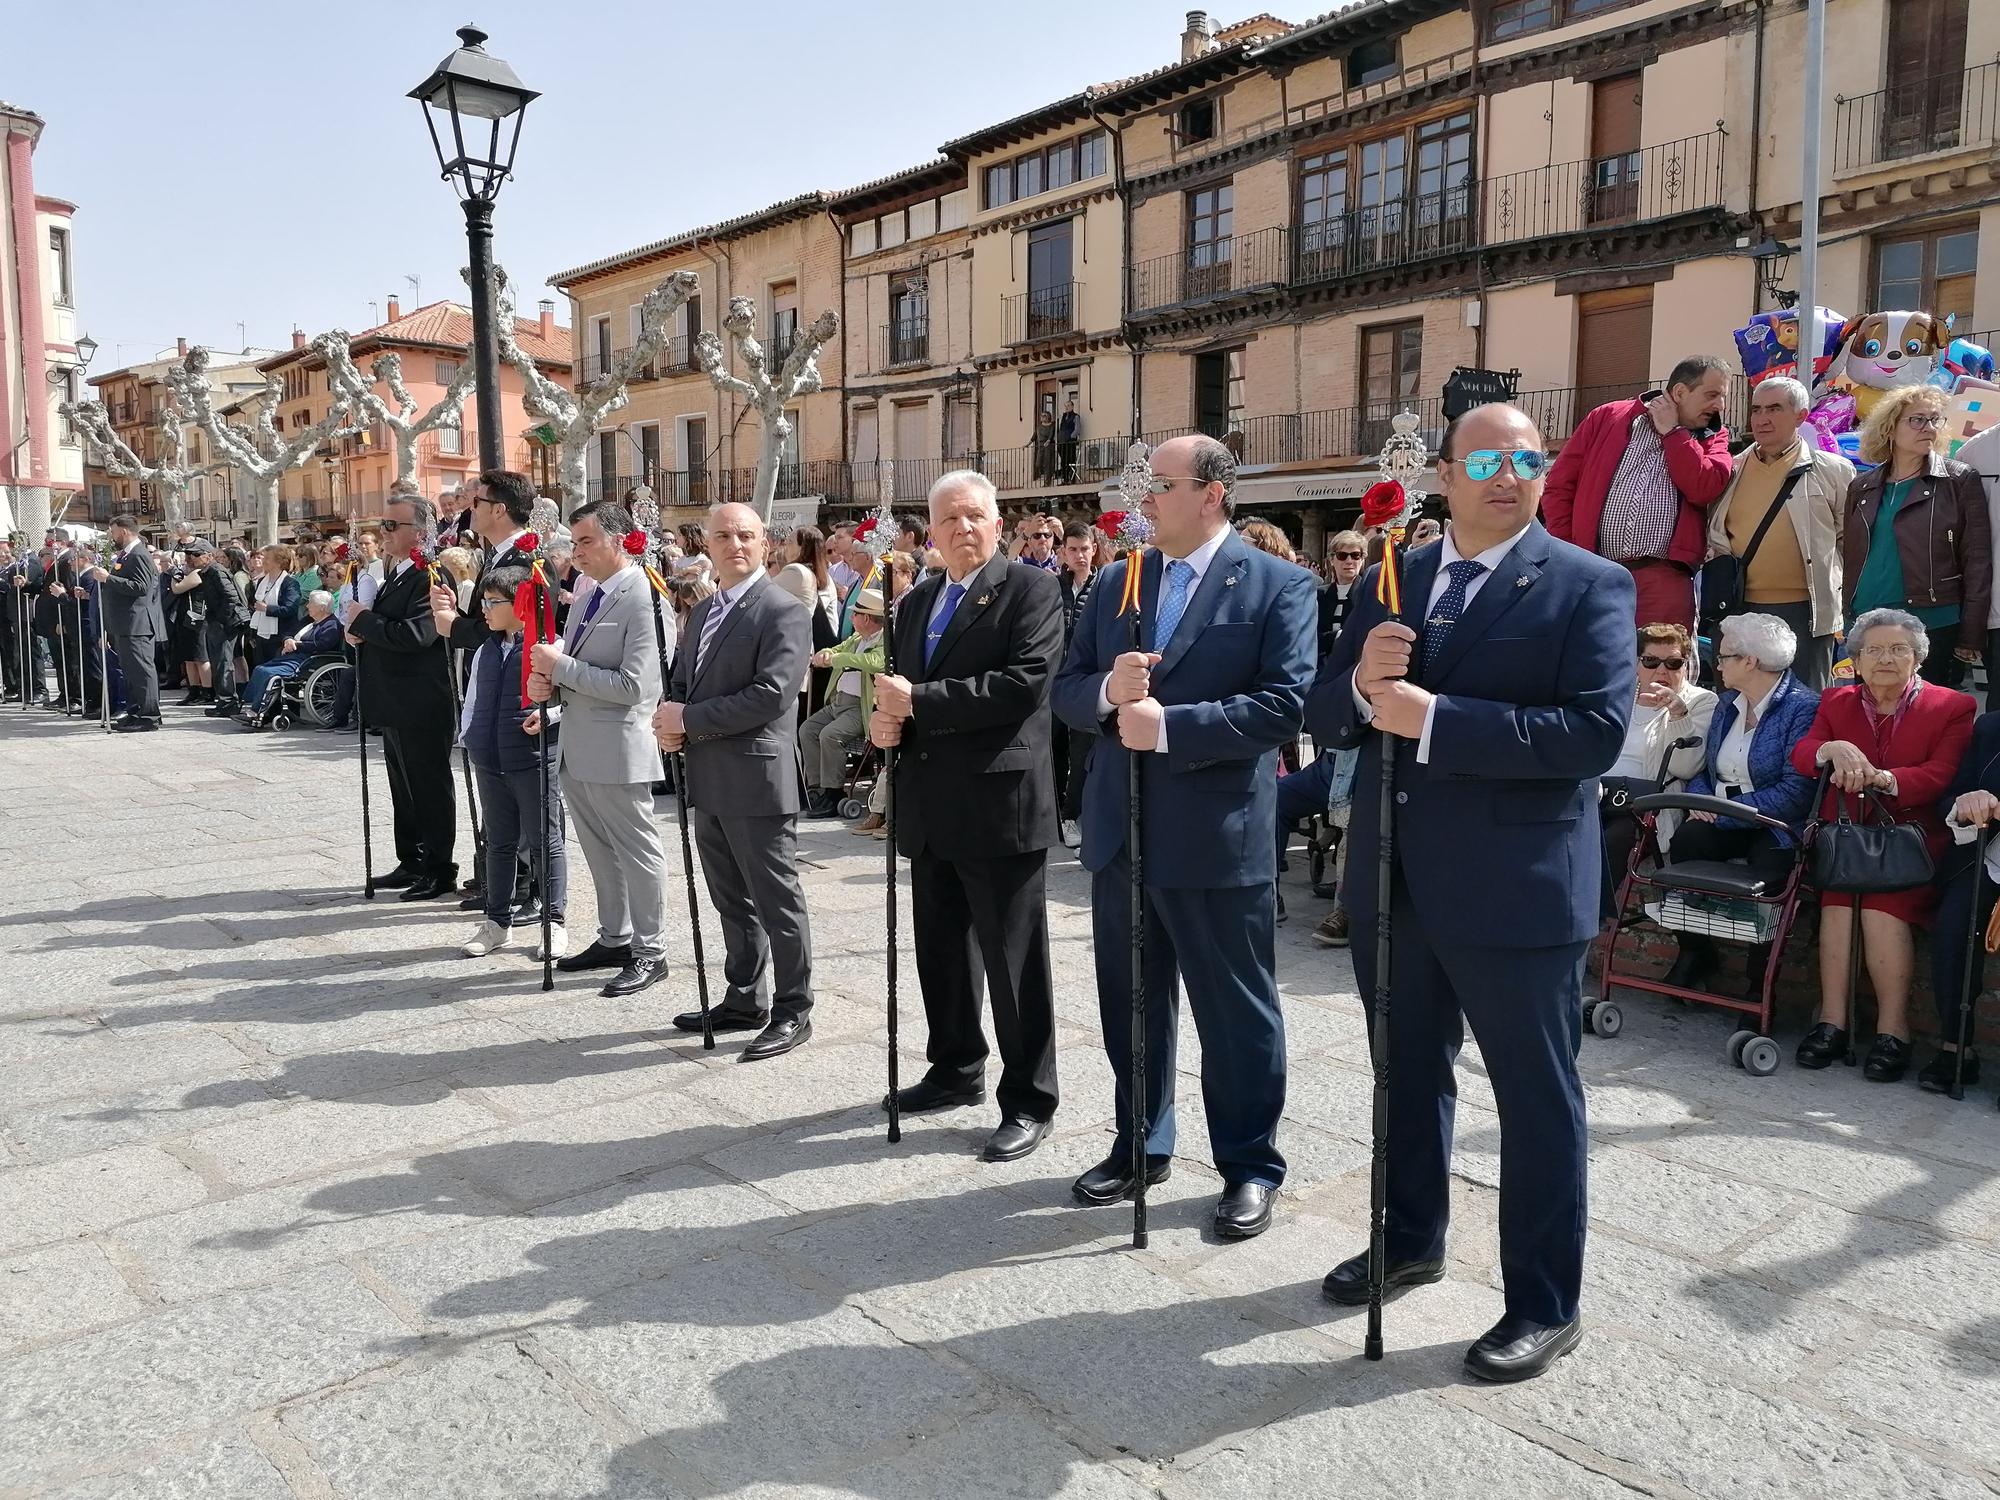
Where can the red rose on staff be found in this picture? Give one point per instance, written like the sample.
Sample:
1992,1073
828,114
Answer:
1382,503
527,542
1109,522
635,543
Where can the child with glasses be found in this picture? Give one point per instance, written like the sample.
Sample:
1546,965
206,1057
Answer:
503,738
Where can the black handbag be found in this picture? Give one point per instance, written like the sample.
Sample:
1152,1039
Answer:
1858,857
1722,578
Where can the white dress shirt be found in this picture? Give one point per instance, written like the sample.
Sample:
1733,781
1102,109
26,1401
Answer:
1490,559
1199,559
1732,756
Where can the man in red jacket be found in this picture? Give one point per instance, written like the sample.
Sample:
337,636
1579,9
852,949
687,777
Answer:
1635,480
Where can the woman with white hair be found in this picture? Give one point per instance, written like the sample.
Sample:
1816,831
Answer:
1762,715
1893,734
1781,518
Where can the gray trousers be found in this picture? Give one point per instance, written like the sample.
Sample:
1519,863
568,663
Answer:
1814,663
142,674
824,739
751,866
628,865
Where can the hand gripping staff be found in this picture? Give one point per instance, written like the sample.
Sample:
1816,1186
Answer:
535,606
443,580
1135,485
647,516
878,535
1383,506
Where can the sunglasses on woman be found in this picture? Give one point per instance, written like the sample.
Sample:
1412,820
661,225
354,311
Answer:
1350,556
1482,464
1663,663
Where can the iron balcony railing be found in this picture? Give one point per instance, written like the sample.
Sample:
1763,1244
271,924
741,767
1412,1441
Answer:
1043,312
1571,197
1948,112
125,411
676,357
906,342
778,348
1397,233
1219,268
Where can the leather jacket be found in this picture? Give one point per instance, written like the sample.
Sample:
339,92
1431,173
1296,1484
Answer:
1942,535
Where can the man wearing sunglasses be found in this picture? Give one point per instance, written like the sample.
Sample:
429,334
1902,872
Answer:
1636,479
1504,693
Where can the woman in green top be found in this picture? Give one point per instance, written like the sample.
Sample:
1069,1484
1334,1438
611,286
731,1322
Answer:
1917,536
308,564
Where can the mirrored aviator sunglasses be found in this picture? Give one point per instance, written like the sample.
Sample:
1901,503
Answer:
1482,464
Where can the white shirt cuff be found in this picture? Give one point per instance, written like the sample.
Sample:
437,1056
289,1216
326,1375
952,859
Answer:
1361,705
1160,746
1961,833
1424,740
1104,697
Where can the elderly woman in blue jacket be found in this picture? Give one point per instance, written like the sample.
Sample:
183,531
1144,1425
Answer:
1763,712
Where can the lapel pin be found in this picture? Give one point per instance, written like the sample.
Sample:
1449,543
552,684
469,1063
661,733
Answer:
1229,582
1520,583
983,600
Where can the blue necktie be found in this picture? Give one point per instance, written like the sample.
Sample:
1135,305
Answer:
952,595
1173,602
1450,605
589,614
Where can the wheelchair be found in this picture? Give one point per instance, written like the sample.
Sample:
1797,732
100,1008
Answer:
1712,898
864,764
308,695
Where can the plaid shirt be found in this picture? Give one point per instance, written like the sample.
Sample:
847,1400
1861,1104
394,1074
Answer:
1642,504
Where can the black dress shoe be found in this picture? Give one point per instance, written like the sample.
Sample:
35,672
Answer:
135,726
1937,1074
1690,967
475,902
1515,1349
721,1019
1017,1136
1825,1043
923,1096
1244,1211
431,885
1346,1285
1888,1060
396,879
781,1036
222,708
1110,1181
639,974
598,955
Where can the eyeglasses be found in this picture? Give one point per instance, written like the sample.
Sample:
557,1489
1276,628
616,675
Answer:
1925,421
1159,484
1350,556
1663,663
1482,464
485,604
395,525
1897,652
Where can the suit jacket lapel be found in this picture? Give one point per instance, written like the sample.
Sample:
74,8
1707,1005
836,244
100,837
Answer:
1231,560
981,589
1420,568
1514,577
722,632
610,601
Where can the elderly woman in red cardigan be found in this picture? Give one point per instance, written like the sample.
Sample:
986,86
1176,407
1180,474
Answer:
1902,737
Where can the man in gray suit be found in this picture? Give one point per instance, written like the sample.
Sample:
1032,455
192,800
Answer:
130,601
604,676
733,705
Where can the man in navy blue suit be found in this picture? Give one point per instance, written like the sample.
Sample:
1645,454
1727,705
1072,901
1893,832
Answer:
1231,632
1504,704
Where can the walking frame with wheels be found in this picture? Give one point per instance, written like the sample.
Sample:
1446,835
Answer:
1709,898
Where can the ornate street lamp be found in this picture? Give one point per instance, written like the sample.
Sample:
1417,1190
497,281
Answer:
474,94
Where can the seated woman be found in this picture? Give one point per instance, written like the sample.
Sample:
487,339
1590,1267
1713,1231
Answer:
1670,710
321,635
1763,713
1974,801
1896,734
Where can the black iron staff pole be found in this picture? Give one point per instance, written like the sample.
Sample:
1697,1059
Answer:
888,581
1135,850
673,767
1975,961
63,602
1389,590
451,655
361,740
103,668
545,629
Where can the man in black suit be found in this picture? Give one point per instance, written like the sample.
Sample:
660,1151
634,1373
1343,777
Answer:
502,504
968,708
404,691
14,633
1078,556
75,652
130,605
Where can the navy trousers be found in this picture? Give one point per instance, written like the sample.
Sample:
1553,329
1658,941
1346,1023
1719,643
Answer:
1526,1010
1948,934
1222,944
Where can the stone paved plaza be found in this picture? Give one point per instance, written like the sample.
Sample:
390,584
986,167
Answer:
295,1202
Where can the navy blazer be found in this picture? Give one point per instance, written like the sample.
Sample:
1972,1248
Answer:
1978,772
1781,793
1498,835
1233,682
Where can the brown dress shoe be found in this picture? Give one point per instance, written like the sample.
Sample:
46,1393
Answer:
868,824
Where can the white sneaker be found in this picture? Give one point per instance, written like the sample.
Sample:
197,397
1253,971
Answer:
558,942
490,938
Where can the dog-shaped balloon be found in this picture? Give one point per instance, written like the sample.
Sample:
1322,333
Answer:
1880,351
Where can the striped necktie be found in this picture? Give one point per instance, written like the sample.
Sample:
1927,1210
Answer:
708,629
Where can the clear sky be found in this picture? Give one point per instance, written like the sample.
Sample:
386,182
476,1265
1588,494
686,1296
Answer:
236,163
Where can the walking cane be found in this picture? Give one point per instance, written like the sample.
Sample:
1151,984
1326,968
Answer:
1134,527
886,529
1389,593
1975,963
361,739
62,640
673,766
104,675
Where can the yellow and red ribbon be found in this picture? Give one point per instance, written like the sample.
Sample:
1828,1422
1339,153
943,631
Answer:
535,605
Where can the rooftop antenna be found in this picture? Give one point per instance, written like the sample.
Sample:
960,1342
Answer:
374,315
242,339
416,289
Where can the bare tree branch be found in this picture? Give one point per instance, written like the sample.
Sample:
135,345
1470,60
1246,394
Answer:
798,376
261,452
